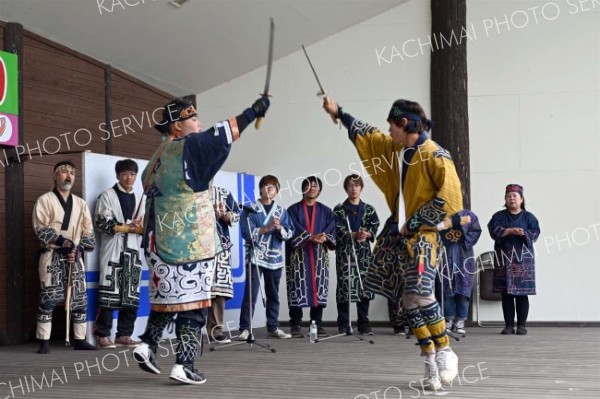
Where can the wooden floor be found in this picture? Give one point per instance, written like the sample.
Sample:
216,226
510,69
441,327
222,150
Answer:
558,362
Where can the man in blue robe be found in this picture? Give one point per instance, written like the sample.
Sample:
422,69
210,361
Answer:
307,269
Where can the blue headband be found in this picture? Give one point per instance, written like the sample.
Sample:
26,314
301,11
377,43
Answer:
396,114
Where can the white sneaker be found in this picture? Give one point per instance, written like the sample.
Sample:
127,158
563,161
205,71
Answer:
243,336
447,363
459,327
449,325
431,382
146,359
184,374
279,334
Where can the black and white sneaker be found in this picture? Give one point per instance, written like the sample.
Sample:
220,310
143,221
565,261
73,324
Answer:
186,375
366,331
221,339
146,359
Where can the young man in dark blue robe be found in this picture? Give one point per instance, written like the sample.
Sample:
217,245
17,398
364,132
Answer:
307,266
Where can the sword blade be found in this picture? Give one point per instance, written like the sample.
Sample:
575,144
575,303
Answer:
322,93
270,57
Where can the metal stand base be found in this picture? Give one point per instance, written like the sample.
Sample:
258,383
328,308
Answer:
349,333
251,340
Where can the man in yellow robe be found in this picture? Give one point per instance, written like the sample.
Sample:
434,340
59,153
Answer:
422,190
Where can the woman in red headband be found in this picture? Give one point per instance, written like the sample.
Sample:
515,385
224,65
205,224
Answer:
514,230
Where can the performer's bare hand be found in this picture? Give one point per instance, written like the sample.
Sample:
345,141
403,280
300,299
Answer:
72,255
518,231
404,231
318,238
276,223
330,106
323,237
363,235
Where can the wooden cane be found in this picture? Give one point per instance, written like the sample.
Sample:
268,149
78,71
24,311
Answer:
68,305
68,298
69,284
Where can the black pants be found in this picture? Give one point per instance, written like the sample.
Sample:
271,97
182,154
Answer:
188,327
508,308
362,309
125,322
316,314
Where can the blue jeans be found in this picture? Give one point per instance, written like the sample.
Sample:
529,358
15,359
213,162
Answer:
271,279
456,306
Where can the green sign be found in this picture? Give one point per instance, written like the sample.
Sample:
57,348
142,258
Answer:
9,99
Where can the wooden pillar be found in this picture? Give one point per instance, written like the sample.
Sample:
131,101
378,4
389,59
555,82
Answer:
449,90
15,209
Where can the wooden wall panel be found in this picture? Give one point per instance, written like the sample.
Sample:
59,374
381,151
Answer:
64,99
139,106
64,92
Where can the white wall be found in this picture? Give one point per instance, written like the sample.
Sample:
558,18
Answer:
534,109
298,139
526,87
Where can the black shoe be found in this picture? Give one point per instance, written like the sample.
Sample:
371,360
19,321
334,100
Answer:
83,345
187,374
145,358
366,331
321,332
221,339
507,330
521,330
295,331
44,348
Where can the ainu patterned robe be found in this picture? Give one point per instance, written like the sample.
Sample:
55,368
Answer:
307,266
431,191
180,237
266,250
48,217
515,256
458,261
120,264
369,221
223,282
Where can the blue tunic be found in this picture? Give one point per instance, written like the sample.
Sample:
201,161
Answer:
458,260
267,249
307,266
515,260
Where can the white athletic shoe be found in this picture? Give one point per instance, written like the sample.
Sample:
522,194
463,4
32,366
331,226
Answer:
431,382
449,325
146,359
186,375
459,327
243,335
447,363
278,333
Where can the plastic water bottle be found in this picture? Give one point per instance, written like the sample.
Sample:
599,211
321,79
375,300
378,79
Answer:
313,332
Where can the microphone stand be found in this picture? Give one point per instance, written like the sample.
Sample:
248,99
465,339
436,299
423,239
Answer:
251,340
349,330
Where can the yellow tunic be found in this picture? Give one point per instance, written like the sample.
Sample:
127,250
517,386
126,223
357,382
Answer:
431,192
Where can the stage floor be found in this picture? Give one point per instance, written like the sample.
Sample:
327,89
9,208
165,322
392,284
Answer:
561,362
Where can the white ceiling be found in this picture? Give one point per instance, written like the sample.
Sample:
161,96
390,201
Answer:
193,48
